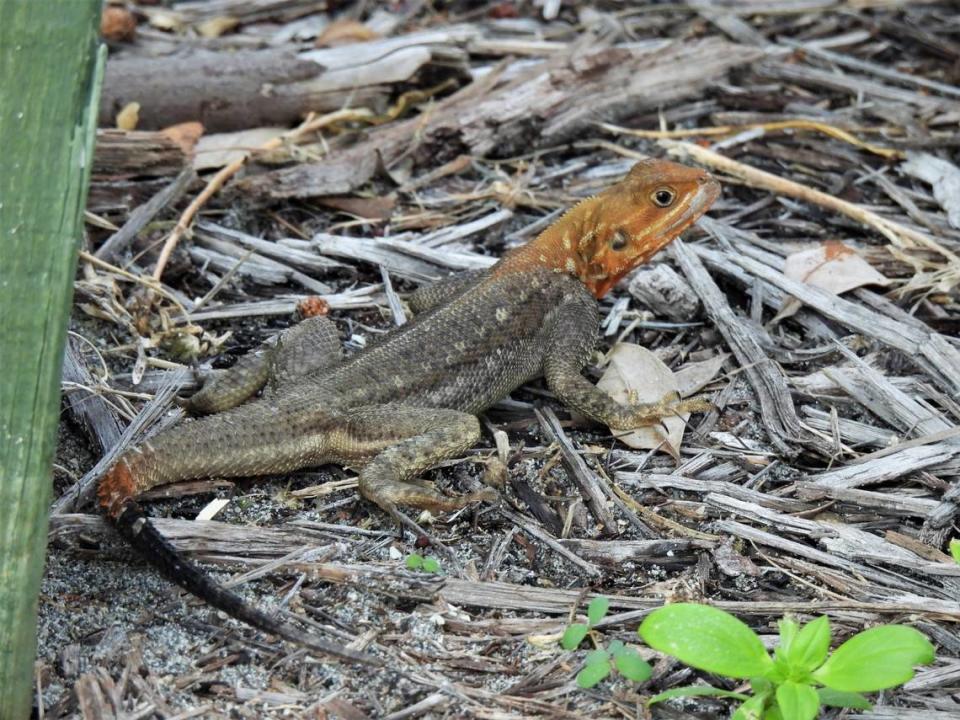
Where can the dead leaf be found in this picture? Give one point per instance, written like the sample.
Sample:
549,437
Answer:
220,149
695,376
345,32
369,208
129,116
833,267
636,375
185,134
117,23
217,26
163,19
943,175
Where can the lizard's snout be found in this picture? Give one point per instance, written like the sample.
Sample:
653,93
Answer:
709,188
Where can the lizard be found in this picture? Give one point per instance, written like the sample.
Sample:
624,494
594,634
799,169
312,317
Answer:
411,399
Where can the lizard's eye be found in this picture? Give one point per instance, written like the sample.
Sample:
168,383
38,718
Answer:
663,197
619,240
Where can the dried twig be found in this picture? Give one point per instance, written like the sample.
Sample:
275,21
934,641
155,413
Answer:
898,234
228,171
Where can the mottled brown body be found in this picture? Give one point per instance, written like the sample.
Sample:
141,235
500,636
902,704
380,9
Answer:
411,400
462,356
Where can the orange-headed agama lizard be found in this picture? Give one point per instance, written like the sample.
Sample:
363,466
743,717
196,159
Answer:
411,400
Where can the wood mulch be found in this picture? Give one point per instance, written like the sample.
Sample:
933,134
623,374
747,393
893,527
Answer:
825,481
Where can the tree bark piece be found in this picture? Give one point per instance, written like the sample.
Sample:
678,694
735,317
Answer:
767,379
256,88
50,66
585,479
216,542
930,350
89,409
117,243
224,91
136,154
546,105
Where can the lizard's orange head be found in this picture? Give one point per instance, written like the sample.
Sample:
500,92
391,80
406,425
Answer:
627,224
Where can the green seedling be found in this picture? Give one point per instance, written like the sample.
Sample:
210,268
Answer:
955,550
428,564
600,662
801,676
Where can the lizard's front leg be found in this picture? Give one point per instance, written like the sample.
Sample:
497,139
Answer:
308,346
570,338
395,443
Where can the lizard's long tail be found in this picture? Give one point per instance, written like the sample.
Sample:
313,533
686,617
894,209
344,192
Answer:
116,492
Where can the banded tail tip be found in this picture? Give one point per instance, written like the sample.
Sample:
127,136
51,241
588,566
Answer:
116,488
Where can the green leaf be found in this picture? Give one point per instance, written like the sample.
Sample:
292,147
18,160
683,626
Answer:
797,701
706,638
811,645
597,609
788,633
633,667
752,709
597,656
431,564
878,658
617,646
696,691
592,674
761,685
414,562
573,636
779,671
955,549
840,699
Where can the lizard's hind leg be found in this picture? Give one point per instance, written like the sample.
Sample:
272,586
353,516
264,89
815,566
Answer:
409,440
308,346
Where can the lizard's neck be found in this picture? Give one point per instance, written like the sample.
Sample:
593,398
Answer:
561,247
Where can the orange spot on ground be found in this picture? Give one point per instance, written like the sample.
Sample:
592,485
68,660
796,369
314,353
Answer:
313,306
117,23
834,249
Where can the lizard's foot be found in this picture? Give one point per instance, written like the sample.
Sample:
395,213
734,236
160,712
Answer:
389,493
700,404
646,414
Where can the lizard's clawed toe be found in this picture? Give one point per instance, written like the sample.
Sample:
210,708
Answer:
695,405
671,405
671,398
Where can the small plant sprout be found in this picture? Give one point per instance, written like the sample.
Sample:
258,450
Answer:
955,550
601,661
801,676
428,564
